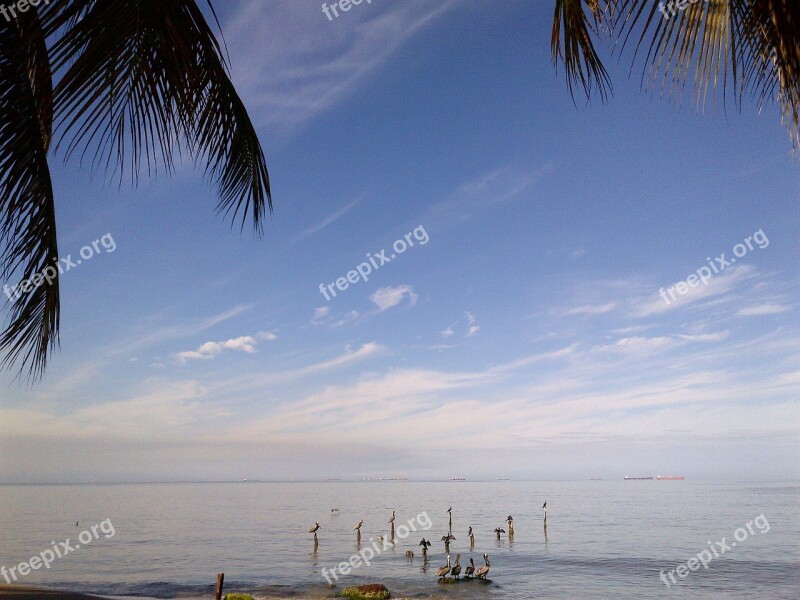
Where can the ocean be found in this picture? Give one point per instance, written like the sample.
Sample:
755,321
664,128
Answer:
604,539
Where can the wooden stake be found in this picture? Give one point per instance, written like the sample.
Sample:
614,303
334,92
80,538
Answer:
220,579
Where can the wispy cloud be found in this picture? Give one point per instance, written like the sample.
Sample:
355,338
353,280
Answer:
473,328
719,285
589,309
347,318
319,314
762,309
332,218
291,64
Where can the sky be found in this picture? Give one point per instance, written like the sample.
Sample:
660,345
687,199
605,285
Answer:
516,320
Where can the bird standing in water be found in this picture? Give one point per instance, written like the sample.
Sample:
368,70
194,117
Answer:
470,570
471,538
456,570
442,572
483,571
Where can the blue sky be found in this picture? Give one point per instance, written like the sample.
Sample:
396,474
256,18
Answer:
525,339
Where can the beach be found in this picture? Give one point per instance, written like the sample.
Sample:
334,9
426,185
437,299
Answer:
27,593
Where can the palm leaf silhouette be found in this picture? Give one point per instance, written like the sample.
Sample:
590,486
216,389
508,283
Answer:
137,84
750,48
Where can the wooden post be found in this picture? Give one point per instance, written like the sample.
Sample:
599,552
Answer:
220,579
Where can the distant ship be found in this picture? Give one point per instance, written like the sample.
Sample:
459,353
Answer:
670,477
503,479
394,478
458,479
332,479
628,478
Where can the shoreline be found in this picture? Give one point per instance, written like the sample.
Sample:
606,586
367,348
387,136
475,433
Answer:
20,592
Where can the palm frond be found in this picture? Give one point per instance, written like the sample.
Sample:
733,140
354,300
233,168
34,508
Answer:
144,78
27,210
571,43
737,46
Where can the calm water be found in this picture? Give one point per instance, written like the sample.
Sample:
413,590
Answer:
604,539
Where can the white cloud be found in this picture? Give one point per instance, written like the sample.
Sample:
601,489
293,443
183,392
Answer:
448,332
269,336
473,328
347,318
209,350
319,314
389,297
591,309
762,309
706,337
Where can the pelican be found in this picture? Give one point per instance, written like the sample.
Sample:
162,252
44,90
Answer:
442,572
471,537
470,570
314,529
510,521
379,538
409,554
456,570
392,519
544,507
358,525
498,531
481,573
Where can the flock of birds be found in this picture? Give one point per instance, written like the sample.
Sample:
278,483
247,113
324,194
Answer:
449,569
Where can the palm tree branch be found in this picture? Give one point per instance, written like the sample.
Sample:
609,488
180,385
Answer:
144,78
27,210
746,46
